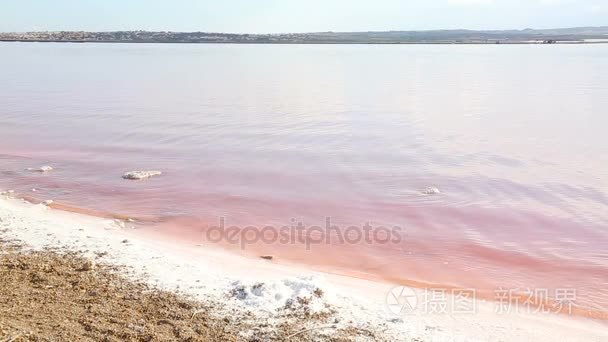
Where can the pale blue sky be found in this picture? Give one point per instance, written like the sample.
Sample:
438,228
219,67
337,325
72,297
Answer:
297,15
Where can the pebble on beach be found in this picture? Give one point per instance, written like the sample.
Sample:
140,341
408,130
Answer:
136,175
44,168
87,265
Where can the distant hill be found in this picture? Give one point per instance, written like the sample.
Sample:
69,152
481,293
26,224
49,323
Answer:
560,35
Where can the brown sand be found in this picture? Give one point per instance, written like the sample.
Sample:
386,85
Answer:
61,296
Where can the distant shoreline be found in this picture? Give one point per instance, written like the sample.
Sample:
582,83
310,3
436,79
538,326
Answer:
576,35
301,43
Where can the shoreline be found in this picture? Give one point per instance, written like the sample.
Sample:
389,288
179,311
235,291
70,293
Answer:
263,288
282,264
306,43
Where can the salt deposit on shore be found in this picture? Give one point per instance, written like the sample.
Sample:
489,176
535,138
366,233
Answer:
266,289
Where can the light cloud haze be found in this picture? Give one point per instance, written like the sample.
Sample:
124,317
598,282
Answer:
470,2
264,16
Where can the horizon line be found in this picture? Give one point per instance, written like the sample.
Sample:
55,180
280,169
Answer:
329,31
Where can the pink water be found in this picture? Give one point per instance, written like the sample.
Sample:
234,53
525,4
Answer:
514,137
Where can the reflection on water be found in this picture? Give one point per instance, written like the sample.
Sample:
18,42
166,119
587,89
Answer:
512,136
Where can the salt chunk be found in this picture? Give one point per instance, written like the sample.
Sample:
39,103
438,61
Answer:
431,190
44,168
141,174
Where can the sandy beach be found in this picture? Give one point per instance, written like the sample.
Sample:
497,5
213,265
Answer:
243,299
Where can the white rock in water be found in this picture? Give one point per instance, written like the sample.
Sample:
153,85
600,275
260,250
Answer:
431,190
45,168
141,174
47,202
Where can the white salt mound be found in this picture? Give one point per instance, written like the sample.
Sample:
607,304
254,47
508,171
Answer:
141,174
431,190
286,293
44,168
